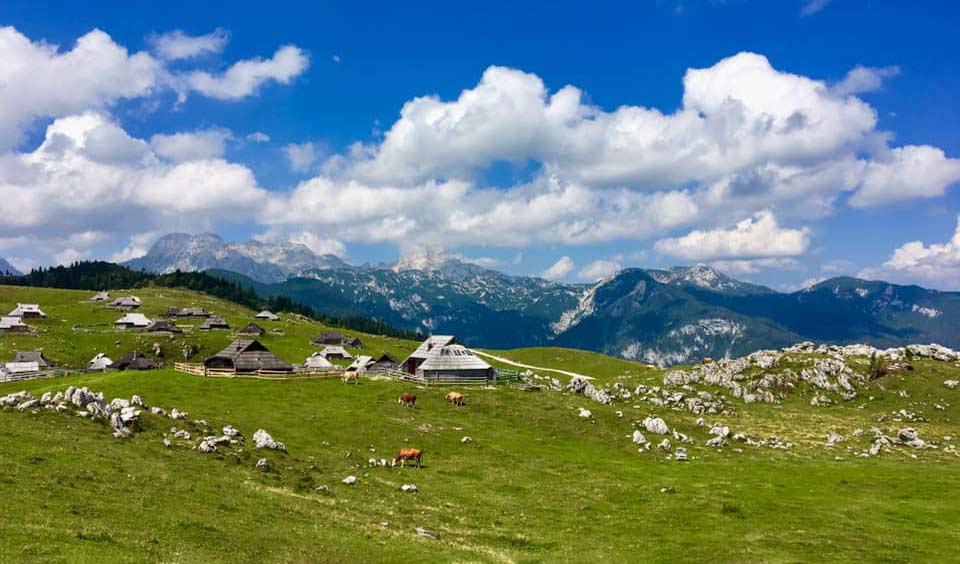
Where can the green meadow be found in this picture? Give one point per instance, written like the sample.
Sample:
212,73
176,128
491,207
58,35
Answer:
536,483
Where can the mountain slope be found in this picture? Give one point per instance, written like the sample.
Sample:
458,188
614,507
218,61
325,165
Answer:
7,269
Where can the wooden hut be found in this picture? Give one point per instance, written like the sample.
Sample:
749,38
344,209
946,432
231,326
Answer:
125,302
336,352
134,361
417,357
27,311
100,362
252,330
247,355
163,326
270,316
455,363
13,324
100,297
386,361
353,342
317,361
133,321
361,364
33,356
214,323
187,312
328,338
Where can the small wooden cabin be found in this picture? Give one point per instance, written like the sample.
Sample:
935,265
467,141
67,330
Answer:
247,355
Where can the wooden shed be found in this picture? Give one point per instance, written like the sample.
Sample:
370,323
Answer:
328,338
386,361
247,355
27,311
134,361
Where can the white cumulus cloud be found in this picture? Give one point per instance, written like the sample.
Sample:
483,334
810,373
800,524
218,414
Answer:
560,269
757,236
189,146
934,264
599,269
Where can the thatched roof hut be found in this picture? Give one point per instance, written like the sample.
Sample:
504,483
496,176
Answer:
33,356
214,323
134,361
247,355
252,329
417,357
453,361
99,362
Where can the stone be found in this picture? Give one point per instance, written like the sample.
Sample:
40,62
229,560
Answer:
158,411
951,383
230,431
716,442
262,464
408,488
166,442
175,414
638,438
421,532
136,400
47,397
29,404
584,413
207,446
262,439
350,480
466,440
656,426
834,438
680,455
664,444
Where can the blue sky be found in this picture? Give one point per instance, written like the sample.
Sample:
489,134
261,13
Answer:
848,174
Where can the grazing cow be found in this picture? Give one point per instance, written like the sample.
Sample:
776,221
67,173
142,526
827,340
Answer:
407,399
406,454
350,375
456,398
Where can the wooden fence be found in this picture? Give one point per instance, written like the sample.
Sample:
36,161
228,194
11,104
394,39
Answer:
299,372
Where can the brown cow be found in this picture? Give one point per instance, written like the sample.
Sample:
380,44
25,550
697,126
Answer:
406,454
350,375
407,399
456,398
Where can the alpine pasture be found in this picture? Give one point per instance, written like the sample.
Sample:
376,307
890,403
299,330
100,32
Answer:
514,475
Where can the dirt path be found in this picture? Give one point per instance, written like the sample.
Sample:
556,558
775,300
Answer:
521,365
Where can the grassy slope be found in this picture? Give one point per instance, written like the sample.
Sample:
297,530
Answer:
538,484
67,308
600,367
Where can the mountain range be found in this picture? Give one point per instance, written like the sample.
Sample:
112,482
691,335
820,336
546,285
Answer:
659,316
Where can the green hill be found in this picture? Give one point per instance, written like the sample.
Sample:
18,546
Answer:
537,483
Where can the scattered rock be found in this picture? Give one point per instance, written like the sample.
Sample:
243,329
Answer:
262,439
466,440
421,532
680,455
350,480
262,464
656,426
408,488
